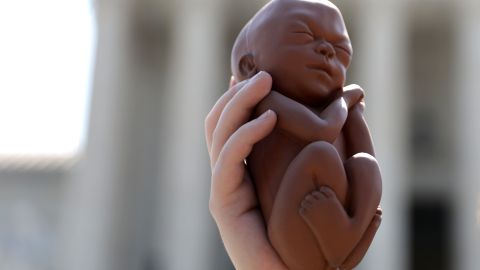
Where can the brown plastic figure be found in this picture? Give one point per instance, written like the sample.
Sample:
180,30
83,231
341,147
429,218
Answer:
316,177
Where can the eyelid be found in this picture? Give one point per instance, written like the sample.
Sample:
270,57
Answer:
344,49
302,28
303,32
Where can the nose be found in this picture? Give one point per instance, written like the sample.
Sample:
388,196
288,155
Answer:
325,48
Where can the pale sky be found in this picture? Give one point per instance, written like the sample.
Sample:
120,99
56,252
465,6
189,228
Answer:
46,53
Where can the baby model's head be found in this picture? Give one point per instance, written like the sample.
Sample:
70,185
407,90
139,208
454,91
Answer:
303,44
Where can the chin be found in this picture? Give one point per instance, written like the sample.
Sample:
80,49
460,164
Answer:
322,96
322,92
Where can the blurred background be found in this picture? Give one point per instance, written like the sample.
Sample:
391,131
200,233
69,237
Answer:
102,157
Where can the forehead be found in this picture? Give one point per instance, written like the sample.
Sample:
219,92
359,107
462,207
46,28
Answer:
283,16
321,13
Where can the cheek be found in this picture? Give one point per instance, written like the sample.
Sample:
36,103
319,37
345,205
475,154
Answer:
270,62
342,70
289,55
278,65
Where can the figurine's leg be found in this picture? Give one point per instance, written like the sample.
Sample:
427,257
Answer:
318,164
361,249
365,183
364,196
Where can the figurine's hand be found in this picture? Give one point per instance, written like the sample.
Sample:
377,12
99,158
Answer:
353,94
361,249
233,204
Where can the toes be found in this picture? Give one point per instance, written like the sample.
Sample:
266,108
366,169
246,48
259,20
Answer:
306,203
310,198
326,192
317,196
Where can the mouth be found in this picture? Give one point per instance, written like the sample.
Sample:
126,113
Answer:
320,69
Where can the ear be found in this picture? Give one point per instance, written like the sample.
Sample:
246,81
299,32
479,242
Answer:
247,66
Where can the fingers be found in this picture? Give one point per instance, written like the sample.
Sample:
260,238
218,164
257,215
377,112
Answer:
352,87
353,94
236,149
212,117
238,110
361,249
360,107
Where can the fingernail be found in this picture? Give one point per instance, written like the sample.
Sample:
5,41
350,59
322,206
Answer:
250,80
258,75
266,114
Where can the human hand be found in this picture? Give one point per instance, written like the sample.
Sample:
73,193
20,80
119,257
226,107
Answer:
233,203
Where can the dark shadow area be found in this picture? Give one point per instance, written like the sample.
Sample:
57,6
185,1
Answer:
430,247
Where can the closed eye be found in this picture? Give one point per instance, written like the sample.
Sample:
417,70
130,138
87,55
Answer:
303,36
304,33
343,49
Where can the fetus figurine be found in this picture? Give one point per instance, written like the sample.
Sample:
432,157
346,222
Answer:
316,177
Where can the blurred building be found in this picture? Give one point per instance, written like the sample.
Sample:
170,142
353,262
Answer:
137,197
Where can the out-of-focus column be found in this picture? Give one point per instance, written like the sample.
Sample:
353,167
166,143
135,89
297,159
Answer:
380,59
92,235
196,52
467,92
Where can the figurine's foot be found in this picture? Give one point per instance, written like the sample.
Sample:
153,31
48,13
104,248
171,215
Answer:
328,221
320,204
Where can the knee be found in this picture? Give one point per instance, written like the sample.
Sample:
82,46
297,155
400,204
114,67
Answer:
319,152
364,167
362,162
322,159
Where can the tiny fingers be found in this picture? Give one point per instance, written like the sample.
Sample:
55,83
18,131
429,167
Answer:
230,164
361,249
360,107
352,87
353,95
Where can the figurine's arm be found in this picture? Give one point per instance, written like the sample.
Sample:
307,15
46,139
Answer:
301,123
357,134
